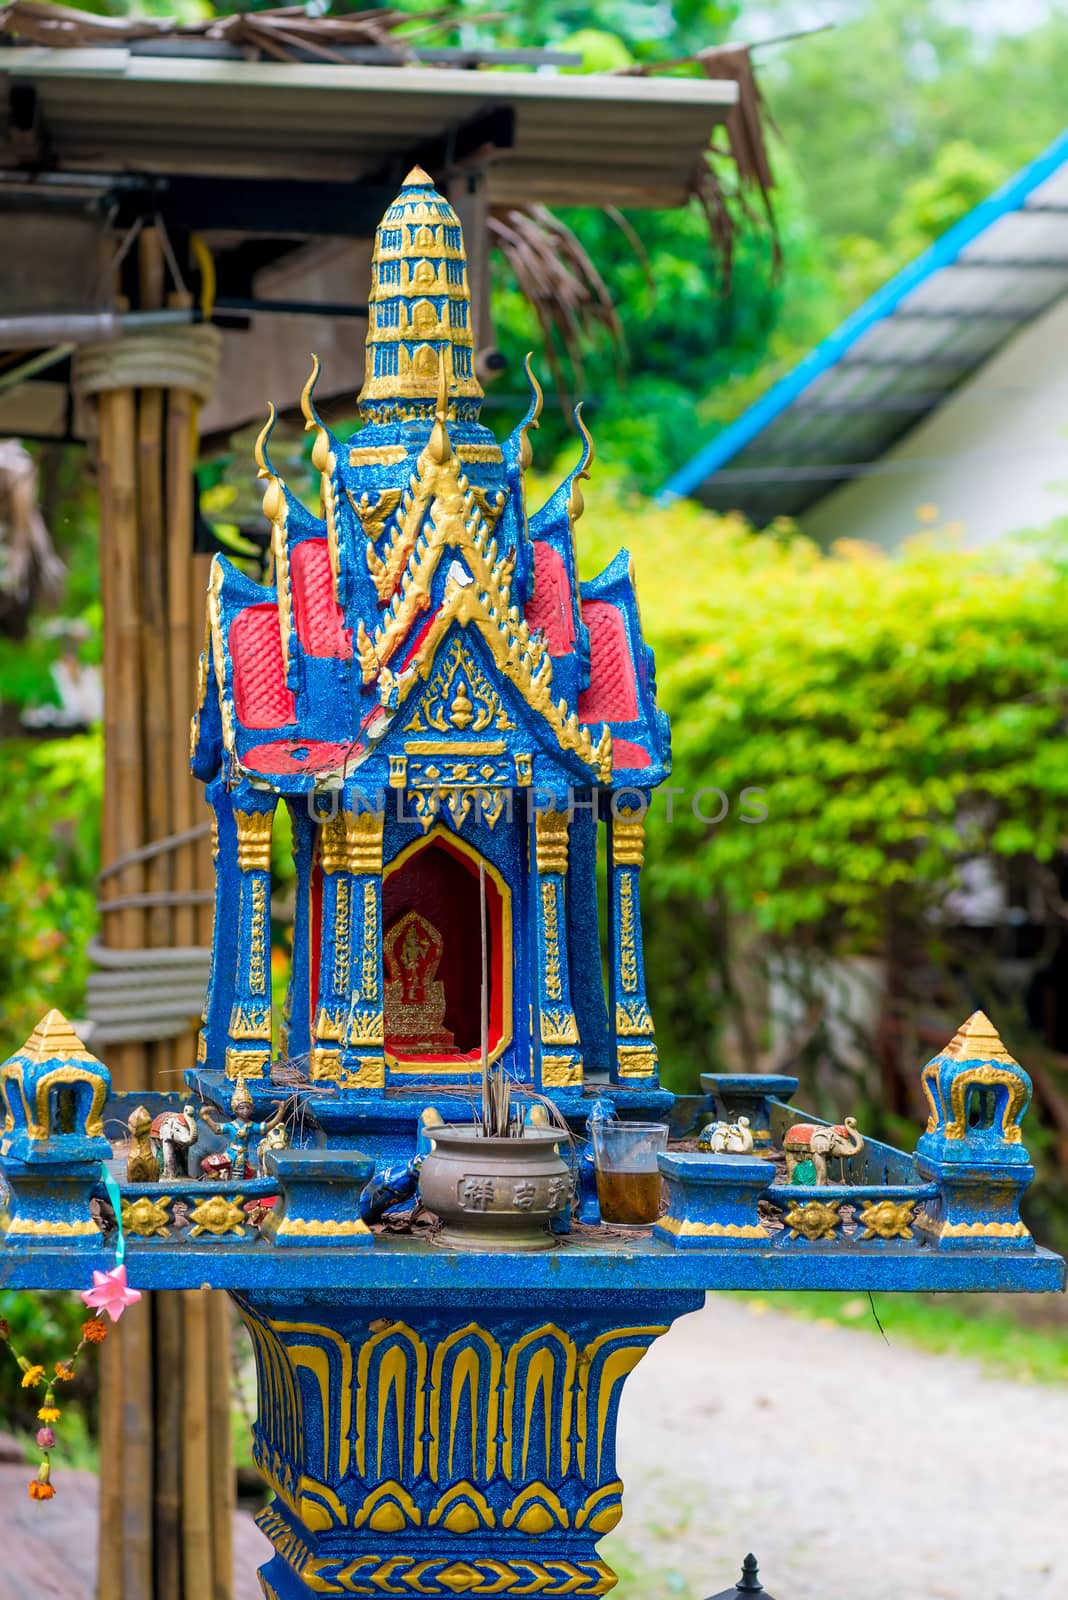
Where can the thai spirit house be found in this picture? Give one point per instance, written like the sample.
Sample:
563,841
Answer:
436,698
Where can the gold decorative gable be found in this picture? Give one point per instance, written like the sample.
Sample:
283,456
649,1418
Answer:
459,696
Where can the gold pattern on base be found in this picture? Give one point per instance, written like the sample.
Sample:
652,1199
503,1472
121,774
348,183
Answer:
636,1060
561,1072
247,1063
325,1064
51,1230
683,1229
145,1217
886,1219
217,1216
315,1228
370,1074
816,1219
976,1230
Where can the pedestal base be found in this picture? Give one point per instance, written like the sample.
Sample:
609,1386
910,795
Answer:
450,1445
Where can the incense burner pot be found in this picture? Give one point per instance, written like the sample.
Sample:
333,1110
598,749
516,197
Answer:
495,1194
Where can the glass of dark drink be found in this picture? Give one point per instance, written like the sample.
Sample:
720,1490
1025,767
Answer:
628,1178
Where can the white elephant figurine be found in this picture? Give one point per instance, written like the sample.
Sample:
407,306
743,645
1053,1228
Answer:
815,1142
175,1132
727,1138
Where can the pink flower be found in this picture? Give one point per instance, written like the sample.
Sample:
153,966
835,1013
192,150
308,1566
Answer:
110,1293
45,1438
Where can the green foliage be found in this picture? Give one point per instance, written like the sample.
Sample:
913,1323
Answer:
49,854
901,716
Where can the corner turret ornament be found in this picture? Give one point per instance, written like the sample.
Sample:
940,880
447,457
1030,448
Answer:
465,737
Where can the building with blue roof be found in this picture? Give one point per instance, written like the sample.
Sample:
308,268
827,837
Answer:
944,398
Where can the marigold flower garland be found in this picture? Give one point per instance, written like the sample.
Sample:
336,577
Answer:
109,1294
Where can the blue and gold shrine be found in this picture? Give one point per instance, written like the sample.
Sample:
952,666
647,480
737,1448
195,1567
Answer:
451,719
431,691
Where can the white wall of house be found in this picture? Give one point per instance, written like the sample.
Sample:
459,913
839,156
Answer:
991,461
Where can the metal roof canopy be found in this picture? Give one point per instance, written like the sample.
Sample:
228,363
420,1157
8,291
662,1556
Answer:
278,163
575,139
897,358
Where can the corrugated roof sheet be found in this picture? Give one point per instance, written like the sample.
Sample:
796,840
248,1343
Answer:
579,138
898,357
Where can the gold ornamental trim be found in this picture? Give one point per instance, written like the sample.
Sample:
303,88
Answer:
551,841
561,1072
218,1216
351,841
254,829
628,841
314,1228
682,1228
636,1060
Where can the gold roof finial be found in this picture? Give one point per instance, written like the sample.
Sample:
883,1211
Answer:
419,310
978,1040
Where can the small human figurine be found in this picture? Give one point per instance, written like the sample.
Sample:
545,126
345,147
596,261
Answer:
726,1138
239,1131
142,1163
174,1132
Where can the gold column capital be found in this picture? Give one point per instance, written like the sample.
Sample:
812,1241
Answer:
351,841
628,841
254,830
550,840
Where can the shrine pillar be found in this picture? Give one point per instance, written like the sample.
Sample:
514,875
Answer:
349,1030
295,1032
215,1019
633,1056
559,1058
248,1044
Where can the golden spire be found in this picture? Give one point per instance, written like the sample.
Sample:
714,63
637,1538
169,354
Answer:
419,312
54,1039
978,1040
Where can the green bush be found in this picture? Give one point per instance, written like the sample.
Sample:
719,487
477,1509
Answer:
903,716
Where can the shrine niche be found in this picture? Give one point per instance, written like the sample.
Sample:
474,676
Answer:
431,951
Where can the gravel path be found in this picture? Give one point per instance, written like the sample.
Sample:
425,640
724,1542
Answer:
852,1469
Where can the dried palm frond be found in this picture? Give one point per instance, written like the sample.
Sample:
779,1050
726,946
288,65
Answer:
31,572
558,277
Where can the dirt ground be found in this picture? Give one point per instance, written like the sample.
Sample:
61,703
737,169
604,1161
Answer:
854,1470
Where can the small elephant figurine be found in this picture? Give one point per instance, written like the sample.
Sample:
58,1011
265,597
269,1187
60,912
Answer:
814,1142
726,1138
174,1133
276,1138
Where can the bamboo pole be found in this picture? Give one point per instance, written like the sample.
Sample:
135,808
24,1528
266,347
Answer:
109,1561
137,1451
169,1421
201,573
220,1405
182,638
197,1573
122,828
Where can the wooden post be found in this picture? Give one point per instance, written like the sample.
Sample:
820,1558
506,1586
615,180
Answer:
167,1496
